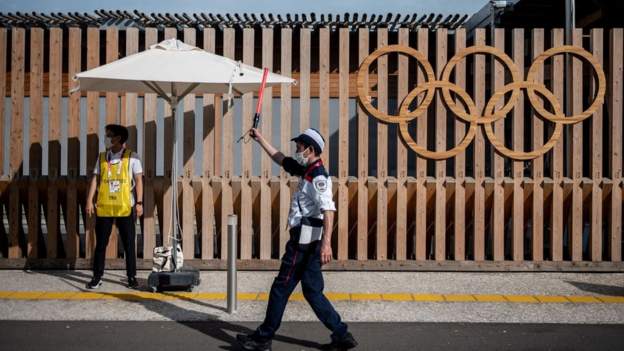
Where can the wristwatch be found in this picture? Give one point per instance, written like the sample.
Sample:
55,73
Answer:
140,203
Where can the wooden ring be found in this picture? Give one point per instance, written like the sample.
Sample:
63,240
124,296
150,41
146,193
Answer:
363,89
438,155
573,50
471,50
521,155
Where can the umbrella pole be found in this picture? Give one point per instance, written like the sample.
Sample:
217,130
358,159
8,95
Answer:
174,184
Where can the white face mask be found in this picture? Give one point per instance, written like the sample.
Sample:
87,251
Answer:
300,158
108,142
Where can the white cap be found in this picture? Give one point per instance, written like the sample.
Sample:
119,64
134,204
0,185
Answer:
312,137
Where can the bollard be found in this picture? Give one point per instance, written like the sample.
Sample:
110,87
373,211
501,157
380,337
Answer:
232,304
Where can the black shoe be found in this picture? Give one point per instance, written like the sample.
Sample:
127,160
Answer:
345,343
248,343
95,283
133,283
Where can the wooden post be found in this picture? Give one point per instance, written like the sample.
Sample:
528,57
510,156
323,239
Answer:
576,155
149,161
498,210
343,149
285,131
304,78
266,162
73,144
518,166
93,112
36,124
421,165
460,159
479,153
362,204
556,241
324,90
188,196
538,163
401,194
382,150
167,230
54,138
112,116
246,229
209,147
596,157
226,185
615,144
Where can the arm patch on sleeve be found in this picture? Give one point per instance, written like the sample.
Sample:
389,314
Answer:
320,184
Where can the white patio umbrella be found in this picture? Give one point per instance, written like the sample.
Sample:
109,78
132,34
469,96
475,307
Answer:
173,69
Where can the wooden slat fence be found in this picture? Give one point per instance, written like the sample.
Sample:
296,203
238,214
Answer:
478,210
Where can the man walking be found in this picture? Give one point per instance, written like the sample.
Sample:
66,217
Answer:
310,220
119,171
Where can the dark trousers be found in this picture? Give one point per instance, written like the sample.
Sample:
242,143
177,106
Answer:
300,263
103,227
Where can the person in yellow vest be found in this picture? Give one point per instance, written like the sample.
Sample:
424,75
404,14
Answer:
117,175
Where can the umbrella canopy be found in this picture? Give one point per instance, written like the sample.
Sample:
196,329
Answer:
172,67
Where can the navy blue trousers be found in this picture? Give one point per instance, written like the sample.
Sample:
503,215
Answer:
300,263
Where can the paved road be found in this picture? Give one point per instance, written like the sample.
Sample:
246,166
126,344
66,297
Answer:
109,336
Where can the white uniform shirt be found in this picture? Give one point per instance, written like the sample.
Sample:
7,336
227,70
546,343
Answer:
135,166
314,193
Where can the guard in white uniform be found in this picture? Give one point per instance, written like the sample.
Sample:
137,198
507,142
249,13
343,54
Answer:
310,220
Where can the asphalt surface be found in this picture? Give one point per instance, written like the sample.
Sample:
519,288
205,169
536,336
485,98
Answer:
188,336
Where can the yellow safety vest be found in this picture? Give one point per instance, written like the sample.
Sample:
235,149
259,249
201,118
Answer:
115,191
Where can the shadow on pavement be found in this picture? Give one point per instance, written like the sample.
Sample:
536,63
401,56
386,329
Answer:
208,324
598,288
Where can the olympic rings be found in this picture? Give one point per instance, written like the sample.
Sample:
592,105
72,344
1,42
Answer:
438,155
500,146
515,76
471,114
363,88
574,50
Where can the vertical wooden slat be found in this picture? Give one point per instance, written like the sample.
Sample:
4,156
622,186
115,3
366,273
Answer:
36,122
401,195
129,103
73,144
168,231
576,154
615,142
208,147
149,161
382,149
498,218
518,166
304,78
246,230
54,138
93,111
266,162
3,78
18,39
421,165
556,240
226,185
479,153
188,196
460,159
112,117
440,141
324,91
538,163
343,148
362,217
285,130
596,156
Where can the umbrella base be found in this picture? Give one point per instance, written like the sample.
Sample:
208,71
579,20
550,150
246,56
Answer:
184,279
